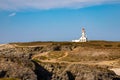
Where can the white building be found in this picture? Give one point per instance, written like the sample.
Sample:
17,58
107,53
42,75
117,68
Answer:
83,37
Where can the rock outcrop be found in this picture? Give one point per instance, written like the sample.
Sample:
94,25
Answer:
79,72
16,65
16,62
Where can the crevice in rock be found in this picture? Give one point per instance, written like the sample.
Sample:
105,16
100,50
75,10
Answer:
70,75
42,74
2,73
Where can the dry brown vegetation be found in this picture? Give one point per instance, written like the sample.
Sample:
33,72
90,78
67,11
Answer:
95,44
9,79
82,52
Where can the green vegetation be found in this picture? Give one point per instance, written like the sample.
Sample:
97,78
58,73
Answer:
52,55
56,54
36,60
43,57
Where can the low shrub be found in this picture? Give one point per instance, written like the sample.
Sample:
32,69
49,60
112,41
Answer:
119,45
108,45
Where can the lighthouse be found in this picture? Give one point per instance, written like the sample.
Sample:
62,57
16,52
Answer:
83,37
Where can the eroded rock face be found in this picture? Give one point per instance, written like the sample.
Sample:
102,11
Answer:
16,71
79,72
85,72
16,62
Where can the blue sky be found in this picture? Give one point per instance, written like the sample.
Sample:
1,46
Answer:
59,20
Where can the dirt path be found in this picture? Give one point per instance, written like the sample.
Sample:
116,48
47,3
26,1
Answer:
116,70
40,54
51,60
66,54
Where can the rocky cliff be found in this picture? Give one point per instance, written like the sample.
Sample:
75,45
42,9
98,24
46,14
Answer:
59,61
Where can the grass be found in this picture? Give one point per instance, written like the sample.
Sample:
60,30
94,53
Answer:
43,57
87,54
36,60
9,79
56,54
31,43
51,55
95,44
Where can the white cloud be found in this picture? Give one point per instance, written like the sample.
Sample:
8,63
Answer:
49,4
12,14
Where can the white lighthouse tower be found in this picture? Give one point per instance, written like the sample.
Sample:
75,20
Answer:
83,37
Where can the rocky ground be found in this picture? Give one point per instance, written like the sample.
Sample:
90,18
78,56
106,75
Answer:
60,61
